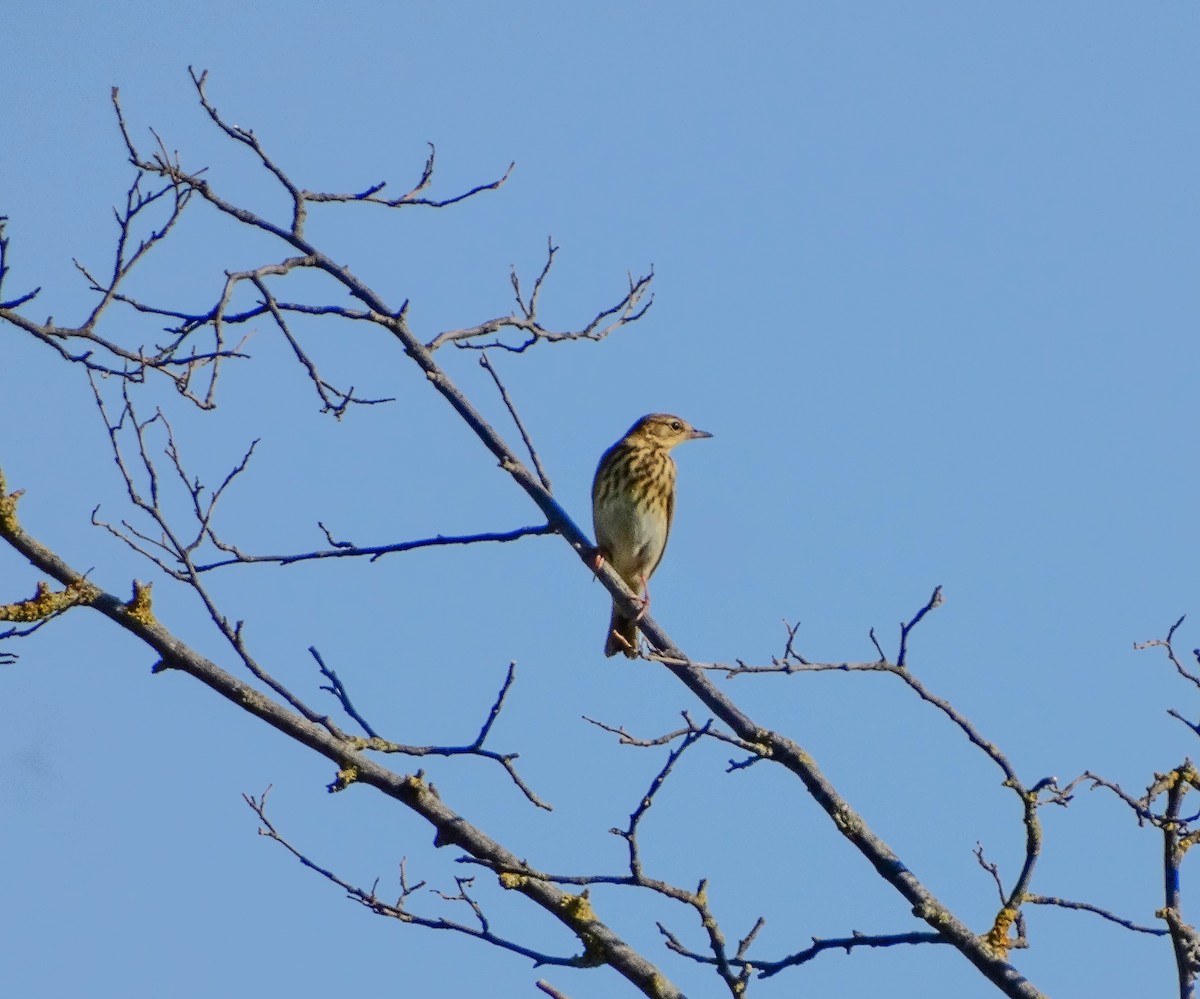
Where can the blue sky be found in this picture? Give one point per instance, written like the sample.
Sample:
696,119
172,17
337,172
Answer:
927,273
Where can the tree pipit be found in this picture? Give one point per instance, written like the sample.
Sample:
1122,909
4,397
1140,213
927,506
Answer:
633,501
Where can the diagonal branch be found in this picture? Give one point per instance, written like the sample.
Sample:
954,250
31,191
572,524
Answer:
601,944
1063,903
512,410
1029,797
781,750
573,911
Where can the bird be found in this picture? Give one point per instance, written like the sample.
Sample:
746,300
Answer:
633,501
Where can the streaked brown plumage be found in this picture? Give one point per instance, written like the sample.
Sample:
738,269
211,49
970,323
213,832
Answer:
633,501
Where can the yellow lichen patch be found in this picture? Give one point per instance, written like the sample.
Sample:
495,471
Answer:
1162,783
997,937
580,914
139,607
46,602
577,907
358,744
345,777
8,509
932,914
509,879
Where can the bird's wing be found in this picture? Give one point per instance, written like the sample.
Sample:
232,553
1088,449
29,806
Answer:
667,532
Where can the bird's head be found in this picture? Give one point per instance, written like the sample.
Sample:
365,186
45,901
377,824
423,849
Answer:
664,430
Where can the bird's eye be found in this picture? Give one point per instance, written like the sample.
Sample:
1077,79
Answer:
676,425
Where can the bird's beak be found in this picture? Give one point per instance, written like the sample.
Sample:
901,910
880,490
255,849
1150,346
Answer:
696,435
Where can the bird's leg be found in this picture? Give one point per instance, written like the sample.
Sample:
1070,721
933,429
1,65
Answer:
596,558
644,597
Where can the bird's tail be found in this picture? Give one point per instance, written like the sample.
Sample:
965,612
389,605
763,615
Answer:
622,635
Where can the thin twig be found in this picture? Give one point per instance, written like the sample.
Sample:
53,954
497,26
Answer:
344,549
1063,903
396,910
533,455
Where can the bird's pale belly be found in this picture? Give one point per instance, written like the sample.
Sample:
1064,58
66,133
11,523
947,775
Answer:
635,543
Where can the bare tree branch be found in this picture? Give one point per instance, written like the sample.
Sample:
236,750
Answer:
176,553
1167,643
397,910
508,403
856,940
628,310
344,549
506,760
601,944
1063,903
338,690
